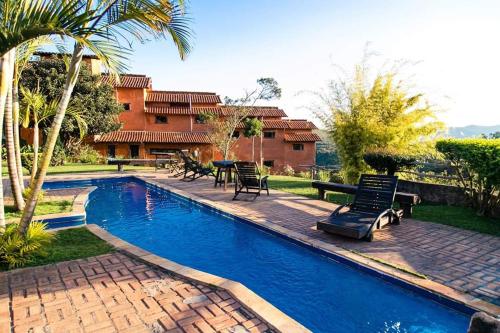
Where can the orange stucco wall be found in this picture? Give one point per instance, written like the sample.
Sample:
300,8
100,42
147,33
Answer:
134,119
275,149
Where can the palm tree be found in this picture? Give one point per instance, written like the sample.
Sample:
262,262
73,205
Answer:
11,156
37,111
24,20
23,54
115,20
4,88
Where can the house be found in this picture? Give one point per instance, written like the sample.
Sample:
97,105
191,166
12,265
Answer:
156,121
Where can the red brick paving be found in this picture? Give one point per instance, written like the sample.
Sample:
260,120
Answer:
464,260
115,293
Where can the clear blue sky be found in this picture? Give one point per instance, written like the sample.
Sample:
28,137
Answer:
457,45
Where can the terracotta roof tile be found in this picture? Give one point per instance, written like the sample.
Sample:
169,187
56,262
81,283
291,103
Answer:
288,124
153,137
180,110
128,81
259,111
182,97
302,137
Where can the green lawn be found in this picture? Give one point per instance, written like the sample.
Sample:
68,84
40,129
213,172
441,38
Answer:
42,208
81,167
461,217
71,244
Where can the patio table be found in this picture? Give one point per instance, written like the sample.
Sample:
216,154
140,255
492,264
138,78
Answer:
223,167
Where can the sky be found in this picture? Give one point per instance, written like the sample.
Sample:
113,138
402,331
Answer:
454,48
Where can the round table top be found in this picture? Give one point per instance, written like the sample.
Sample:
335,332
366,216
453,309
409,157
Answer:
223,163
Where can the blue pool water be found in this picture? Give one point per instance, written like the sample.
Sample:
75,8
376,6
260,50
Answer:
319,292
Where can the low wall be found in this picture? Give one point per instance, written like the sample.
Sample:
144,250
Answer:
434,193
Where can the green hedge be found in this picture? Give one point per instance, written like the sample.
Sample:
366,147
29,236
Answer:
477,162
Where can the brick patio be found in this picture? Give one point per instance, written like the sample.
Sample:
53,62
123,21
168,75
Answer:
70,297
464,260
115,293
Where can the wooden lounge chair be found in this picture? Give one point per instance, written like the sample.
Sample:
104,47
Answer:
193,169
371,209
248,179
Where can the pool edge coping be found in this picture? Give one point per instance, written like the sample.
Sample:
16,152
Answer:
440,290
274,317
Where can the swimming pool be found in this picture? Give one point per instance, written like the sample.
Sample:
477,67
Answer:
319,292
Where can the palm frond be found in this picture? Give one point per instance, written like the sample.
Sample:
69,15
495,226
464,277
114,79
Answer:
24,20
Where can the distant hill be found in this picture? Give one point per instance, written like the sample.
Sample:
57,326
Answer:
471,131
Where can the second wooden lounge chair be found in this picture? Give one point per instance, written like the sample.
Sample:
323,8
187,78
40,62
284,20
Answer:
371,209
248,179
193,169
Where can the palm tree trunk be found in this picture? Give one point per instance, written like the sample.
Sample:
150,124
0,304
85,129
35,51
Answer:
17,143
36,147
5,79
11,154
36,186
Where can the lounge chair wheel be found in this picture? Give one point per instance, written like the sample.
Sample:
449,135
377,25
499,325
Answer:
369,237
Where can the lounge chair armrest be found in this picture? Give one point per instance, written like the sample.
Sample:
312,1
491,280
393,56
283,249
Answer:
339,208
381,215
385,212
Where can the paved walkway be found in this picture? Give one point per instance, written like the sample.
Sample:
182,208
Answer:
115,293
464,260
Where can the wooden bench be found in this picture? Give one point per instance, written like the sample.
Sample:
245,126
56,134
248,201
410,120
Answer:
406,200
136,161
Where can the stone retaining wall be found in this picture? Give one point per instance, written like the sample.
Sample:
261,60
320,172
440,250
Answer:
434,193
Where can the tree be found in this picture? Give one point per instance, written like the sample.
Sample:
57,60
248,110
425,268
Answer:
11,154
25,20
115,21
361,115
253,128
222,126
36,110
493,135
95,102
23,55
388,161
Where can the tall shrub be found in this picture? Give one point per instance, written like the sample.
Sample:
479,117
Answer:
477,163
390,162
363,114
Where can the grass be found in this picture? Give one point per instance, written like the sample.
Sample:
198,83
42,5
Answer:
302,186
460,217
82,167
71,244
43,208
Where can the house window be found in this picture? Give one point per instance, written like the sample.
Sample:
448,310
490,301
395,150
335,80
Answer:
112,151
269,163
269,134
199,119
236,134
161,120
298,146
134,151
126,106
